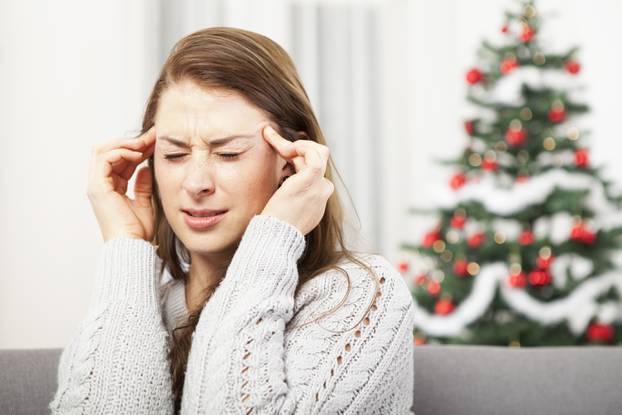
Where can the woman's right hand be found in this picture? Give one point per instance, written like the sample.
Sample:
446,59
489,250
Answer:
112,165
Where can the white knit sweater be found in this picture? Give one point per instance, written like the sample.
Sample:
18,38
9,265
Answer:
247,354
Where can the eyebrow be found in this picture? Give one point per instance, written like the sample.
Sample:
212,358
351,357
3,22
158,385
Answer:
215,142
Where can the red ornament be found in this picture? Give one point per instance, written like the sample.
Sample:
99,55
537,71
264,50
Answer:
515,136
557,115
597,332
421,279
544,262
443,307
430,238
517,280
539,278
573,67
402,266
504,28
589,237
490,165
457,181
460,268
527,34
458,221
522,178
419,341
508,65
580,233
526,238
581,158
468,126
476,240
434,288
474,76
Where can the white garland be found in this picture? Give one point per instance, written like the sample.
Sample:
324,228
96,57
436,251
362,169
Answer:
508,87
468,311
579,266
521,195
577,308
512,200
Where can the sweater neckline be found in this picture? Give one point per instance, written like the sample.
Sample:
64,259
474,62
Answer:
176,308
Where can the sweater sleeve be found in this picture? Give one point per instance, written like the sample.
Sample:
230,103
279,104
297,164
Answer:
238,361
117,361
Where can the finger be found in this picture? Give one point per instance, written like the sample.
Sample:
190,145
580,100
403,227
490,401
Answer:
115,161
133,142
299,163
130,143
146,153
143,187
315,158
282,146
148,137
330,187
310,159
144,143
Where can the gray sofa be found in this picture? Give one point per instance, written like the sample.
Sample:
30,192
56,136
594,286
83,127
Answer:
449,380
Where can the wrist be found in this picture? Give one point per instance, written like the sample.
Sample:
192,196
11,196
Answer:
126,273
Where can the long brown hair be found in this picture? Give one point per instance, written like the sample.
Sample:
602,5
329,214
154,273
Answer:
259,69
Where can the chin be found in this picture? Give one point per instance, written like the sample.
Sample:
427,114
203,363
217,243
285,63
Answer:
219,239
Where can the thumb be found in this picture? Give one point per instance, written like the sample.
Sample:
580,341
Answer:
143,187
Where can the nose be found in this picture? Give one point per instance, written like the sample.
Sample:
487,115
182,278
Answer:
199,179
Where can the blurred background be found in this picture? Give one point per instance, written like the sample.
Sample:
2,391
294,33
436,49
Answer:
386,79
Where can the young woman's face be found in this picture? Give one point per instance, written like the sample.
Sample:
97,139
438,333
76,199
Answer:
239,176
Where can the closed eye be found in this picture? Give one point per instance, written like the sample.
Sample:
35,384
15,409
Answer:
228,155
223,155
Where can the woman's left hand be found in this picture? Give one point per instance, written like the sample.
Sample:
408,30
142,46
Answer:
301,199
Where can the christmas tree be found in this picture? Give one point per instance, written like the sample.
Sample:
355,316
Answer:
522,253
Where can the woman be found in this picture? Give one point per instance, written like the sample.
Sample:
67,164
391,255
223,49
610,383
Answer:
266,310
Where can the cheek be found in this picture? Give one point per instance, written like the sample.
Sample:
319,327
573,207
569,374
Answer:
246,178
162,174
249,180
166,179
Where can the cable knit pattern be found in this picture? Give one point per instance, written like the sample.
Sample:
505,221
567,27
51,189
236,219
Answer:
117,363
255,349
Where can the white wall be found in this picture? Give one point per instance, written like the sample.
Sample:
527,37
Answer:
77,73
72,73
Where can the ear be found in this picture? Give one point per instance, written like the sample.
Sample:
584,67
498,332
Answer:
287,169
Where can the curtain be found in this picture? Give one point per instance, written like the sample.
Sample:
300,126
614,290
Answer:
350,56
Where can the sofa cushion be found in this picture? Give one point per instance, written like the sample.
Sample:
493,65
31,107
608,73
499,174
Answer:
484,380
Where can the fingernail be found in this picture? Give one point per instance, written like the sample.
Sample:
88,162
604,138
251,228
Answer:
271,130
